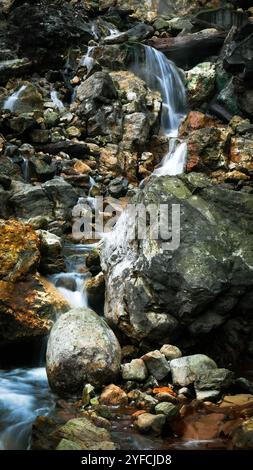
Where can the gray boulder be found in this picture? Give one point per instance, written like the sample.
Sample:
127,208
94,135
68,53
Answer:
199,288
81,349
185,370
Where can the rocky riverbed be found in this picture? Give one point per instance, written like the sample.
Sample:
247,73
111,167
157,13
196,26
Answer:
147,341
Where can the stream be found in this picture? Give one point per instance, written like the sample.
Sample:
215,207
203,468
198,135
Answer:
25,394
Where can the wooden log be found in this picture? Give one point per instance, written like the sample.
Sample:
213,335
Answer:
74,150
191,47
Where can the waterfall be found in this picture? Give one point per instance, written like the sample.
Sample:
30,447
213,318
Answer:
162,75
88,60
58,104
71,286
24,394
11,101
25,169
174,162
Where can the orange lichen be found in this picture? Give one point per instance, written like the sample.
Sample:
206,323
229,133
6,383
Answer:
164,390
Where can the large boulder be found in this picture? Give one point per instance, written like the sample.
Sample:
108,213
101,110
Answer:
28,308
199,288
28,302
81,349
47,26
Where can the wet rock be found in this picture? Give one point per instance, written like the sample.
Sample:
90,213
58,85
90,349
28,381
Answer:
241,153
163,288
244,384
168,409
52,260
148,422
208,395
138,33
243,436
95,288
5,182
113,396
28,308
19,250
207,148
66,444
156,364
233,401
13,68
40,136
216,379
81,349
186,369
21,123
29,201
41,169
84,434
98,107
118,187
62,194
170,352
134,370
51,28
200,83
166,397
28,100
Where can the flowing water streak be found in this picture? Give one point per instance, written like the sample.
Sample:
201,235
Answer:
174,162
11,100
25,169
58,104
24,395
87,60
162,75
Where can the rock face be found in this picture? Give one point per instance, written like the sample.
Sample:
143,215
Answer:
28,308
200,83
201,286
81,349
19,250
28,302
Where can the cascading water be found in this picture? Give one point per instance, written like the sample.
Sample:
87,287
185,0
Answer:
162,75
174,162
25,169
24,395
88,60
58,104
12,99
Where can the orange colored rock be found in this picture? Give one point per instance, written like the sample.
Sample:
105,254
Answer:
19,250
164,390
81,167
138,413
241,153
113,396
28,307
196,120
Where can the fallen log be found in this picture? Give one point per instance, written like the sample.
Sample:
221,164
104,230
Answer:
73,149
192,48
